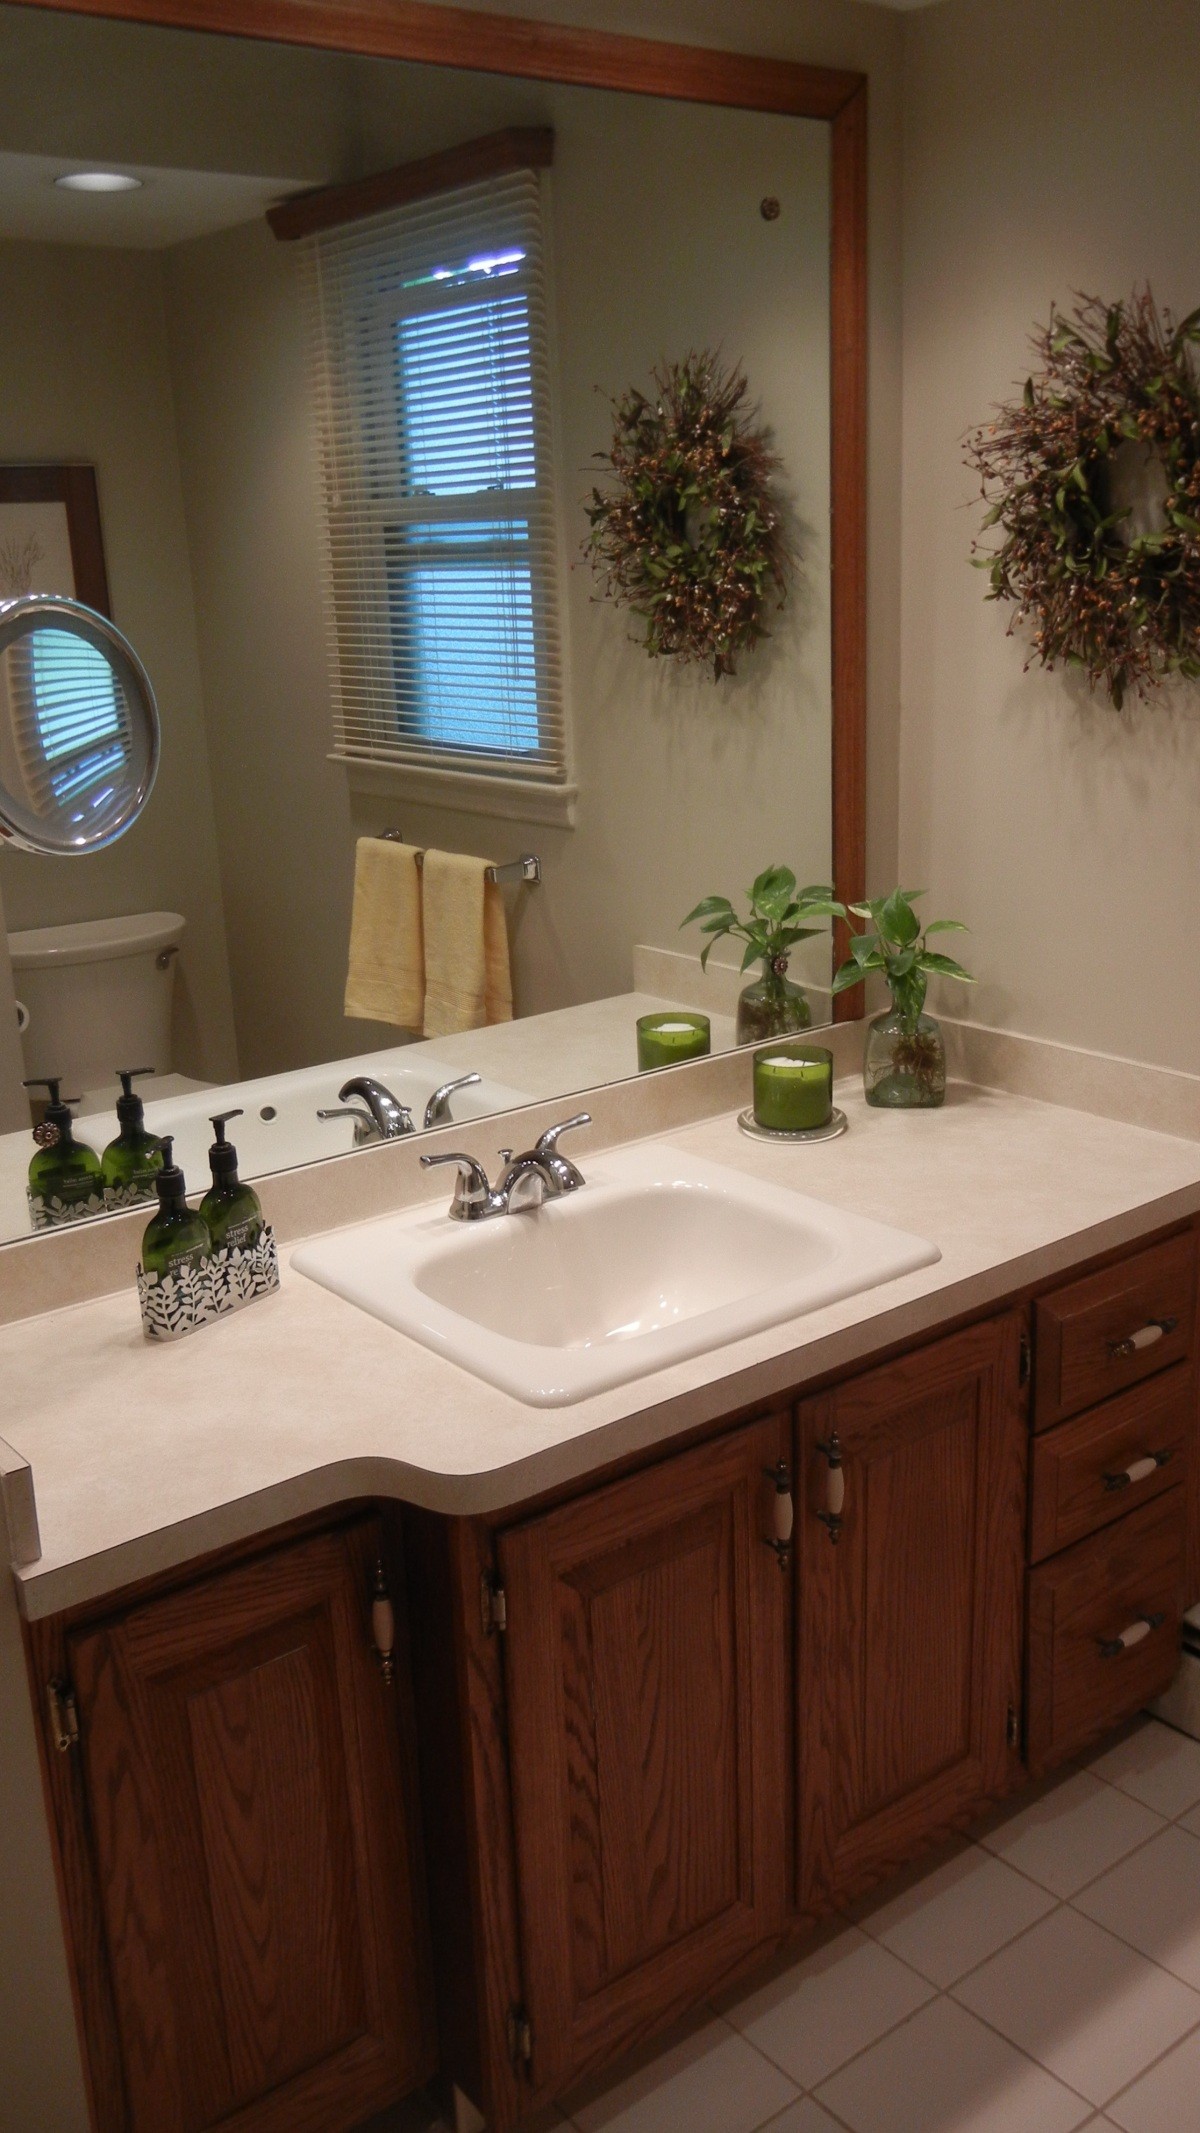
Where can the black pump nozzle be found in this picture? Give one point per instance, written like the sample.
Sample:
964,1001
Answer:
58,1109
130,1108
222,1155
169,1183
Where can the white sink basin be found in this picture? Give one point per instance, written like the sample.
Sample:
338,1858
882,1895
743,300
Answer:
660,1256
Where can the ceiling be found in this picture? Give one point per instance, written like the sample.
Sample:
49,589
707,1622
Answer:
170,207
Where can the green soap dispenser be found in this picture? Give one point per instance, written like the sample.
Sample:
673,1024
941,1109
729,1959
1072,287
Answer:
131,1163
64,1176
232,1211
176,1241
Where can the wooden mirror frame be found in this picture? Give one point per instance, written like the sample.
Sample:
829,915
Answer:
600,59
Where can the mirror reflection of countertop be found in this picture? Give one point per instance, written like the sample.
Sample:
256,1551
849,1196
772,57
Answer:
143,1458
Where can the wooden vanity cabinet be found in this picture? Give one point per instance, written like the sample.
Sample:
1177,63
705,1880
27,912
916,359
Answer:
910,1566
647,1658
240,1845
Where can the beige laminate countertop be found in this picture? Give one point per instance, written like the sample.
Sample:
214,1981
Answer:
145,1457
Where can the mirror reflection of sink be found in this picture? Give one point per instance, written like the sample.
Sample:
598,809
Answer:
659,1257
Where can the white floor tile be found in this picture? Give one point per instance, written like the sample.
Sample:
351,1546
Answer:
1157,1765
840,1998
1167,2099
944,2072
1153,1900
957,1915
803,2117
1070,1835
712,2081
1092,2010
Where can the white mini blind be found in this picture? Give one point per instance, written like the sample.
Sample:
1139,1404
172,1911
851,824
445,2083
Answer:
70,718
432,386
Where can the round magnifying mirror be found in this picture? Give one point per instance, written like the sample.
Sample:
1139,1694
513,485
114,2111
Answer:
79,730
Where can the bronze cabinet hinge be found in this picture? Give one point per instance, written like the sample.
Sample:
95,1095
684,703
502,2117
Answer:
64,1715
520,2037
493,1603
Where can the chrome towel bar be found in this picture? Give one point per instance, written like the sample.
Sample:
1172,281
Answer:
527,868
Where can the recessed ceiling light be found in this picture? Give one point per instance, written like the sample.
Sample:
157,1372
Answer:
99,181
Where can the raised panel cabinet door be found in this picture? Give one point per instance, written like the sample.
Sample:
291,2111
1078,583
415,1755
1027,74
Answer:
646,1662
249,1795
910,1547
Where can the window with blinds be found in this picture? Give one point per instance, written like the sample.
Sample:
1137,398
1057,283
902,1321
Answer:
428,326
69,716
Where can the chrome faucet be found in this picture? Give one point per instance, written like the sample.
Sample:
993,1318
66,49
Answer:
437,1110
541,1173
380,1117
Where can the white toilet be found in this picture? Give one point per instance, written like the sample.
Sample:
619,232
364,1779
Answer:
95,996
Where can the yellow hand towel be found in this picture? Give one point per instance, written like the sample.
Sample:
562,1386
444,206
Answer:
467,978
386,978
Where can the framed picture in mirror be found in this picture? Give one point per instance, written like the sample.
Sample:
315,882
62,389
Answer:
51,540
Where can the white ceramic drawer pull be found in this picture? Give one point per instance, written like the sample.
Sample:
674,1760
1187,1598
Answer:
835,1487
1145,1337
782,1513
383,1625
1137,1632
1140,1470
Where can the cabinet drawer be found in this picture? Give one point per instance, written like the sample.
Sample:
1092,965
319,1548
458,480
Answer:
1104,1621
1114,1458
1111,1329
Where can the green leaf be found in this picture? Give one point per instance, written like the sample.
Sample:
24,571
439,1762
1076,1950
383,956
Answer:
773,891
898,921
849,974
708,907
945,966
946,925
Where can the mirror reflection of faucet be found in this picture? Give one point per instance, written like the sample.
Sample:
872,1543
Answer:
380,1116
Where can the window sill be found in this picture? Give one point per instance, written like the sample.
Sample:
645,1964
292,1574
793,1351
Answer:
469,792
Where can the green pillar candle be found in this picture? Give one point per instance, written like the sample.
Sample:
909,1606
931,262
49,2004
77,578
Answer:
793,1088
667,1039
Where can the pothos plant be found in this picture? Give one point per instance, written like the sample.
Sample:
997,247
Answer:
897,947
780,916
896,944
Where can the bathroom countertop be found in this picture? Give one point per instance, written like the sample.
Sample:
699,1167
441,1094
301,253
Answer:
145,1457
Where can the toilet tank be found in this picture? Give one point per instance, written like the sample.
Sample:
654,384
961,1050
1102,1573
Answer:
95,996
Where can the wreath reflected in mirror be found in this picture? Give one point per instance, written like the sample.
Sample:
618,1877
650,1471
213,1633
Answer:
1093,479
689,534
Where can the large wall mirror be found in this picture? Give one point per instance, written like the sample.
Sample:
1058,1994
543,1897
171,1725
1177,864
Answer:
329,342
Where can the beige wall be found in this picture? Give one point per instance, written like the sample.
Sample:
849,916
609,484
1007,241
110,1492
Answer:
84,375
1048,150
685,786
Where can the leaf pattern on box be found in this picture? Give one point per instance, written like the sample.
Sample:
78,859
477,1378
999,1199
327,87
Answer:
180,1303
52,1213
117,1197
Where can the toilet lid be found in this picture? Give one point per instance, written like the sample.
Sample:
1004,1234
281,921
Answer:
95,940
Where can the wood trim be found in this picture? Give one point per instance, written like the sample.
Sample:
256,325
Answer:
493,155
848,299
74,486
501,44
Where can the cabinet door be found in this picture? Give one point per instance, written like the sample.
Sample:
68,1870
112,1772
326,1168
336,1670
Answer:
910,1614
646,1671
251,1823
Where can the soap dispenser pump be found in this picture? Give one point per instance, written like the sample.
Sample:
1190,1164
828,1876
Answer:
232,1211
176,1241
64,1176
131,1163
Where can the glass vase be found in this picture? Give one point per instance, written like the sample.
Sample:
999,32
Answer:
771,1007
904,1065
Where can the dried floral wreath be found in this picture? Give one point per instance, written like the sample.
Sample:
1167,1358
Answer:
1093,478
691,537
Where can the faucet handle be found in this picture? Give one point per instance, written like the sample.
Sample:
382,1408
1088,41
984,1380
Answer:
354,1111
437,1110
472,1193
567,1177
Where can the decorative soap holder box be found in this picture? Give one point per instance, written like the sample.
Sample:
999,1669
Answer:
177,1304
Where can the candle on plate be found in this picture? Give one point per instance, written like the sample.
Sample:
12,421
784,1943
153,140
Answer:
793,1088
666,1039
